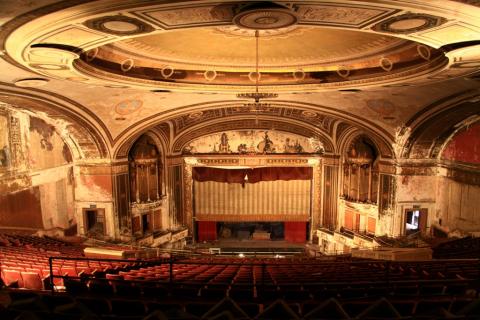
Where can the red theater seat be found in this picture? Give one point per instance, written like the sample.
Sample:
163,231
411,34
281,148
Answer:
32,281
12,277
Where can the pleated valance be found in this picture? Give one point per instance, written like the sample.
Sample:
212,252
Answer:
202,174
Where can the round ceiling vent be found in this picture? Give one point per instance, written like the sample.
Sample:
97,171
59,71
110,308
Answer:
264,16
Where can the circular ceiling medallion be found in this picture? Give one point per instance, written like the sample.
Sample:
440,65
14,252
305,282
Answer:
309,114
31,82
264,16
210,75
126,65
299,74
409,23
119,25
128,106
195,115
424,52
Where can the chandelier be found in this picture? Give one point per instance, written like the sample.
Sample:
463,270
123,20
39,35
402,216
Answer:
256,96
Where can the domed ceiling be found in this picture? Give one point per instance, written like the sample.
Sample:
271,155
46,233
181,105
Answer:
127,67
295,56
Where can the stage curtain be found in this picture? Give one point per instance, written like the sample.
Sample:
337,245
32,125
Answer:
295,231
203,174
264,201
207,230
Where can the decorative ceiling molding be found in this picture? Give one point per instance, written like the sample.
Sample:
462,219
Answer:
119,25
113,23
409,23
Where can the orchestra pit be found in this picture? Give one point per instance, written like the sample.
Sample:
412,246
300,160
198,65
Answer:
235,159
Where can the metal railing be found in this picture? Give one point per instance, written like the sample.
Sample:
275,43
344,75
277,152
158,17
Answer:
383,273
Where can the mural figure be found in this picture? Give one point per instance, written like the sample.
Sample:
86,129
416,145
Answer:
289,147
242,148
266,146
189,149
224,147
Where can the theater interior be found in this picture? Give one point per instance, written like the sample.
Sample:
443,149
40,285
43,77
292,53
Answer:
216,159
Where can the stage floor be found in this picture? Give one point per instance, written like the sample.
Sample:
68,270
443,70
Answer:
251,245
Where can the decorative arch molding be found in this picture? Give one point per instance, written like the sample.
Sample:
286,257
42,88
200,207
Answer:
157,136
347,136
177,119
426,133
73,122
261,123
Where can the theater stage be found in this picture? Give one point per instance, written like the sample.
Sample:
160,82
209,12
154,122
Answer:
249,247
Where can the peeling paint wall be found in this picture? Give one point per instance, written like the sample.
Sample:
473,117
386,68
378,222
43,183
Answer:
46,149
36,180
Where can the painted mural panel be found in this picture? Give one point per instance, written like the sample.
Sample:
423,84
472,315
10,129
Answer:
4,143
46,147
253,142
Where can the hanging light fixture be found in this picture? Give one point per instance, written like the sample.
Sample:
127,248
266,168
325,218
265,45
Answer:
256,96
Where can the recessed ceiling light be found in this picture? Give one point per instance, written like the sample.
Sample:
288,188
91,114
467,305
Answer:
160,91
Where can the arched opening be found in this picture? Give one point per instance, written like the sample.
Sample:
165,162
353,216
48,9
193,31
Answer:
360,171
145,182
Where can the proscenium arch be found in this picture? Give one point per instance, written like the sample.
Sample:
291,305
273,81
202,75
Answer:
82,123
164,117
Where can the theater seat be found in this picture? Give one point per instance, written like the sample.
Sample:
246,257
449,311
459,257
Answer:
12,278
32,281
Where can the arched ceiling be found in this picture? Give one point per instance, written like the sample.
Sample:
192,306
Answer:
175,67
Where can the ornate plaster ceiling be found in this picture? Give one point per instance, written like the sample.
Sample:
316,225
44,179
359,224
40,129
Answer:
126,68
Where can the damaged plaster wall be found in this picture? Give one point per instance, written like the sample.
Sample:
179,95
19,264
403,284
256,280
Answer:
36,173
458,192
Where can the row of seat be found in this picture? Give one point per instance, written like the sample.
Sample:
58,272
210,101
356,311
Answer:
463,248
47,306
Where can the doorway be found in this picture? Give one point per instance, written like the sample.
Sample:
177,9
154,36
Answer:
415,221
147,223
94,221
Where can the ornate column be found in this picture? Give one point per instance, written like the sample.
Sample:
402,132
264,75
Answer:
349,180
317,194
137,181
188,195
369,196
156,178
147,175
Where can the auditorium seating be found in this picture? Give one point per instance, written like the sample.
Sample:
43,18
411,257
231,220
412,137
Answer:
464,248
234,288
62,306
24,261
